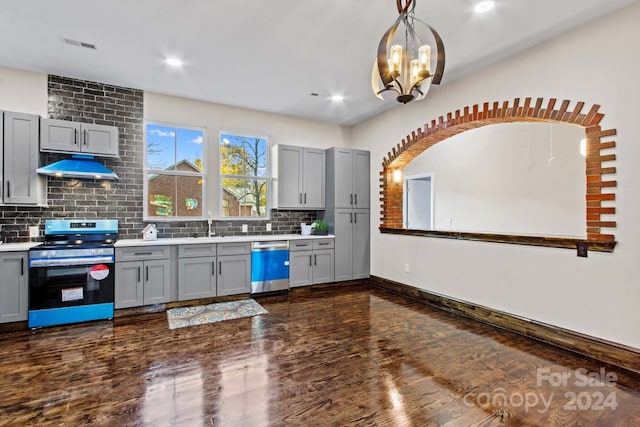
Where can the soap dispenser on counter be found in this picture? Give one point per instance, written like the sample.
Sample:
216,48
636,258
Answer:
150,232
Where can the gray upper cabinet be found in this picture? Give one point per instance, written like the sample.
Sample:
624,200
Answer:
348,178
299,177
14,287
62,136
21,185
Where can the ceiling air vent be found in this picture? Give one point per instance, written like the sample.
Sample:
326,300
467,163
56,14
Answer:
79,43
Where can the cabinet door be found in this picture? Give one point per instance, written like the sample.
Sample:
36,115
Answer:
300,268
14,289
59,135
196,278
361,251
343,244
313,185
21,158
289,176
99,139
361,188
234,275
343,170
323,265
129,284
157,281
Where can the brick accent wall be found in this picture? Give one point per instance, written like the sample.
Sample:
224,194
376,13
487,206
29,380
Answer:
598,187
98,103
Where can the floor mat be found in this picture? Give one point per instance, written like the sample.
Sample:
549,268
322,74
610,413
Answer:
210,313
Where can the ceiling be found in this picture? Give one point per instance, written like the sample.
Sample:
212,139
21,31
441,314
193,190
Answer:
267,55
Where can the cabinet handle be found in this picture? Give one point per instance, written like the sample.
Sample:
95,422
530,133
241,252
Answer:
351,195
8,189
75,136
323,244
85,137
22,266
300,198
350,217
146,274
138,273
213,268
315,260
305,198
355,199
142,253
220,267
355,218
310,261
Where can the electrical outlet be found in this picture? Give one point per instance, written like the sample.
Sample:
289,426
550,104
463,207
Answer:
447,222
245,228
406,267
268,226
34,232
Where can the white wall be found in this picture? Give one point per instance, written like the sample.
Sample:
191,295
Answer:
598,295
215,117
23,91
491,179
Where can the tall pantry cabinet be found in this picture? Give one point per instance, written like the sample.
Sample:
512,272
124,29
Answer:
348,211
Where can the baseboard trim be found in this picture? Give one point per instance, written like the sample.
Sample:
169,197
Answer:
606,351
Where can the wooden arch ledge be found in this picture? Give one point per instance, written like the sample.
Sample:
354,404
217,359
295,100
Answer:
391,199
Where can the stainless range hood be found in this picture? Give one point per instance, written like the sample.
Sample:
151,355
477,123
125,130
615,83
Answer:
78,166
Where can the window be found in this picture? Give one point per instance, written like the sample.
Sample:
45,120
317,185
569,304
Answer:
244,176
174,172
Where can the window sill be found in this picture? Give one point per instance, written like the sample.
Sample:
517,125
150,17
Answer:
552,242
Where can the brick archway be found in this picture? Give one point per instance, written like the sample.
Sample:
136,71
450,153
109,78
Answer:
475,117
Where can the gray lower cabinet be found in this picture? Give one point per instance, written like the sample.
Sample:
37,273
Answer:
197,271
234,268
19,153
311,262
63,136
351,227
143,276
14,287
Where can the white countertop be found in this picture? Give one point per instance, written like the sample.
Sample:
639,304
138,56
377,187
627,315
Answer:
16,247
216,239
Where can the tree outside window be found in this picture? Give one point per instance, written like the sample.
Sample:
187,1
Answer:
244,175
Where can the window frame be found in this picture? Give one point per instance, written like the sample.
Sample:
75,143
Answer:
221,176
146,172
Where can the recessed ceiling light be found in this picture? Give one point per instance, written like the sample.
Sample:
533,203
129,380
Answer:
336,98
174,62
484,6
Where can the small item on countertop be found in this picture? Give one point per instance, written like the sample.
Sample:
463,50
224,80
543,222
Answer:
306,229
150,232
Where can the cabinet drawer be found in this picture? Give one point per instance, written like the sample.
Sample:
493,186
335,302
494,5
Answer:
142,253
239,248
300,245
323,244
189,251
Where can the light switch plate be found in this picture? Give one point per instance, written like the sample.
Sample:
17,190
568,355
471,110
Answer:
268,226
34,231
245,228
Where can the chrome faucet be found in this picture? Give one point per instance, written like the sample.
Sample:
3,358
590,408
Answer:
211,232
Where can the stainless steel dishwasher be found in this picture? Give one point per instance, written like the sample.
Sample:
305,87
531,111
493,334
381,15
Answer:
269,266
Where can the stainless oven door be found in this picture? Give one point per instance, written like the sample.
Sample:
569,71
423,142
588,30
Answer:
70,293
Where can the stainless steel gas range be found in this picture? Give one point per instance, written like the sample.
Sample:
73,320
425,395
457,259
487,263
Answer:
71,275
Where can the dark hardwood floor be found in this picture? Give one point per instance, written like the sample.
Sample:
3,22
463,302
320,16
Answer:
332,357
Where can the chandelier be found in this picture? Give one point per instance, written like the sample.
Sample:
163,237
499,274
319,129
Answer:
405,66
